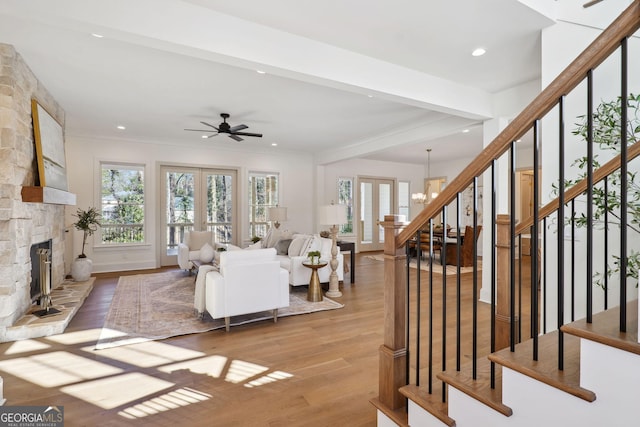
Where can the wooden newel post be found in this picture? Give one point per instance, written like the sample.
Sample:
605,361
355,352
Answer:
393,353
503,288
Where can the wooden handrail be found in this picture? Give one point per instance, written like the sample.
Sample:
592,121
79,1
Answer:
580,187
605,44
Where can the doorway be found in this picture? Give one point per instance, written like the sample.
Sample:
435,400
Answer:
198,199
376,199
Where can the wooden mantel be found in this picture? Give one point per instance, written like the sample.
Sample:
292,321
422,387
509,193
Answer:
47,195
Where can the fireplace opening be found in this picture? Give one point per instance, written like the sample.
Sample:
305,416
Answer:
36,269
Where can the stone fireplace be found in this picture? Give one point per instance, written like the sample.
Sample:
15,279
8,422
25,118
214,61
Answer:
23,224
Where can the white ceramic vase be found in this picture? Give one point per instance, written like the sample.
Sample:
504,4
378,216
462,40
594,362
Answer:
81,269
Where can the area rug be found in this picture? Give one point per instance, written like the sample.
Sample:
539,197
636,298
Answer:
452,270
148,307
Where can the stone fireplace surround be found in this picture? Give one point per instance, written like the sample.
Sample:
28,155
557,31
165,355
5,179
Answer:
23,224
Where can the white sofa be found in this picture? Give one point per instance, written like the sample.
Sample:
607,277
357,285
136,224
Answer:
292,251
248,282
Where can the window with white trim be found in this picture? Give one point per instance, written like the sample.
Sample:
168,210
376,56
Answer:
263,194
345,197
122,203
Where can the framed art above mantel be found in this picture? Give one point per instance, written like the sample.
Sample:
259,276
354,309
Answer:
49,141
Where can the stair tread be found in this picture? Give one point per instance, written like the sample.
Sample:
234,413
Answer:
431,403
605,328
480,388
545,369
398,416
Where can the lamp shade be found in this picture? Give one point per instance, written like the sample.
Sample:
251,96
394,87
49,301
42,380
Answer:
333,214
277,214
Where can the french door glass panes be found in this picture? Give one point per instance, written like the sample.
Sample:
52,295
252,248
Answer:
197,199
376,201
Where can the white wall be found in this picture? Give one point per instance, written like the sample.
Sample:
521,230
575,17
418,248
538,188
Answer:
561,43
84,157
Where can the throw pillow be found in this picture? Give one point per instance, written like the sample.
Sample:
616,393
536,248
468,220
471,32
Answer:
296,246
282,247
313,244
206,253
197,239
256,245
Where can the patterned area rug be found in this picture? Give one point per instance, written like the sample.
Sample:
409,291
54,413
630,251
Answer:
148,307
452,270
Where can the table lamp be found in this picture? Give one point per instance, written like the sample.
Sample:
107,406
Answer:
276,215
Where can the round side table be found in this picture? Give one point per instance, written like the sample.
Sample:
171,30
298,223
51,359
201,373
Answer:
314,294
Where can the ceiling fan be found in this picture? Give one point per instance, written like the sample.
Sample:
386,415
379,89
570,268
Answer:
224,127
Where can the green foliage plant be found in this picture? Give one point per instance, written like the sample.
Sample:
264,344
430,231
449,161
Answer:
607,135
314,256
88,222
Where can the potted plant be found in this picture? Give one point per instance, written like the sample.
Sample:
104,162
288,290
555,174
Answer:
314,256
88,222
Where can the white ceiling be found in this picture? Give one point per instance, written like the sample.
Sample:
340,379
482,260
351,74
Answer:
356,78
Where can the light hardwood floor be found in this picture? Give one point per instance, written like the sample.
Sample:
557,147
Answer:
318,369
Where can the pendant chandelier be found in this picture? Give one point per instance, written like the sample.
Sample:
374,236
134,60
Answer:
423,198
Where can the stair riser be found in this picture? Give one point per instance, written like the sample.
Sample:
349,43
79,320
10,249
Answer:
614,376
469,412
422,418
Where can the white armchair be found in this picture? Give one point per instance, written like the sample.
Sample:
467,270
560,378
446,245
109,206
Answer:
194,241
248,282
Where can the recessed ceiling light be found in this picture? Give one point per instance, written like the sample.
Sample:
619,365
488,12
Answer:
204,137
96,35
274,144
121,127
478,52
370,96
261,72
465,131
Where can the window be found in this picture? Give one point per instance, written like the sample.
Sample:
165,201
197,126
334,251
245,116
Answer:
263,194
345,197
122,203
403,199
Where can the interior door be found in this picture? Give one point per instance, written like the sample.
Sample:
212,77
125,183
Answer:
196,199
376,199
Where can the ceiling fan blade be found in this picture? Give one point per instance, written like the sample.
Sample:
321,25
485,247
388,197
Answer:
201,130
207,124
257,135
237,128
212,135
591,3
234,137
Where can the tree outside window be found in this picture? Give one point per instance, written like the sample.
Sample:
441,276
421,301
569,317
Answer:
122,204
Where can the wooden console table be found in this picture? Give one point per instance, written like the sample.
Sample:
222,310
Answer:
349,247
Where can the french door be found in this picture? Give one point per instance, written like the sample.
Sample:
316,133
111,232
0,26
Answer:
376,199
196,199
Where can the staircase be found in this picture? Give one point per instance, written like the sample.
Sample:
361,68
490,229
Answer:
550,347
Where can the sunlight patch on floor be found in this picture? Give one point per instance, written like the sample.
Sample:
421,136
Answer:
147,354
174,399
25,346
211,366
269,378
240,371
56,369
109,393
71,338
